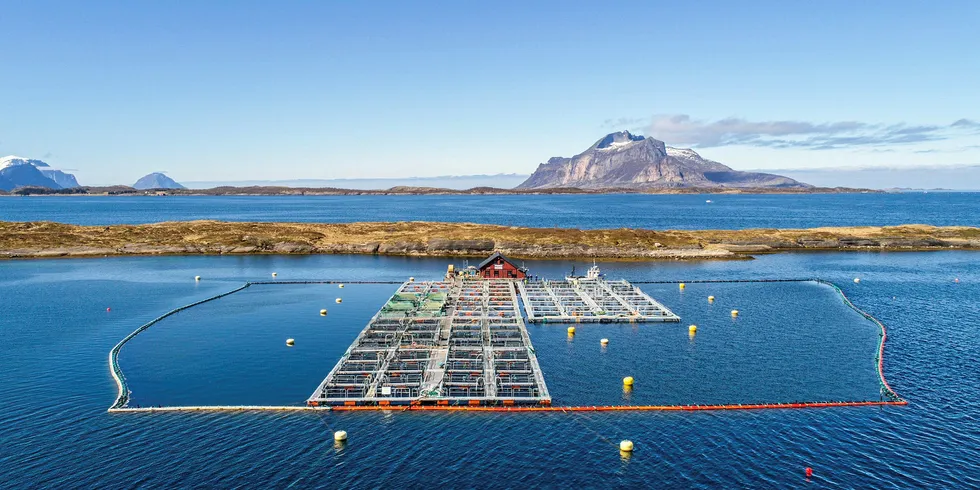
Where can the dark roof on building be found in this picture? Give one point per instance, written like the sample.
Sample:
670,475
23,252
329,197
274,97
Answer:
494,257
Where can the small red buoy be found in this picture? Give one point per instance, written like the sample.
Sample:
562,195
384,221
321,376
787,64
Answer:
108,309
809,472
956,280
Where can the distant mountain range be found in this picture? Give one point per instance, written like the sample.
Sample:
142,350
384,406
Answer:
19,172
624,160
28,172
458,182
617,161
156,180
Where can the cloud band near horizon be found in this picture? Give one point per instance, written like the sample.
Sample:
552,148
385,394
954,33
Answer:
681,129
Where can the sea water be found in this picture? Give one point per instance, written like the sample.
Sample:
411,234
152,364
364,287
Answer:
55,335
684,211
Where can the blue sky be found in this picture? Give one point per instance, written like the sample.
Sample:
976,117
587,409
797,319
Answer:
280,90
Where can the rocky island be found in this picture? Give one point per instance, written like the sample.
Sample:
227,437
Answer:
625,160
46,239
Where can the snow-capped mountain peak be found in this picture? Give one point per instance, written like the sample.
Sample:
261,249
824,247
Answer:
617,140
11,160
58,178
686,153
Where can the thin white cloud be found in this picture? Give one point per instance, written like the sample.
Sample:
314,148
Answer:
681,129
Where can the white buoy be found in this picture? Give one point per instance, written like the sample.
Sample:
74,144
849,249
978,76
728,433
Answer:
734,313
626,446
323,312
340,436
274,274
197,278
411,279
857,280
341,286
604,341
340,300
711,299
290,342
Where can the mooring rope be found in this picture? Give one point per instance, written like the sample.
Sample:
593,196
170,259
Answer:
885,388
123,396
266,283
714,281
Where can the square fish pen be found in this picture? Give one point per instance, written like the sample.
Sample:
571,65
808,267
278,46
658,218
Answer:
581,300
455,342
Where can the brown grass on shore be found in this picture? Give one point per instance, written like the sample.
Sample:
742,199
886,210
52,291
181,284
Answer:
33,239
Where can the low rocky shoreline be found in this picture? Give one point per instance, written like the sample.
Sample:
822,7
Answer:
46,239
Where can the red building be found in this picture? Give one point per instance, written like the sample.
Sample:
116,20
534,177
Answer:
499,267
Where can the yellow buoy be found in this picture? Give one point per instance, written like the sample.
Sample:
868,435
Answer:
626,446
682,285
340,435
274,274
290,341
692,328
323,312
857,280
571,330
711,299
604,341
340,300
197,278
628,381
341,286
734,312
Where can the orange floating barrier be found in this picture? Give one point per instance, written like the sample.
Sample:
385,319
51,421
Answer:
545,406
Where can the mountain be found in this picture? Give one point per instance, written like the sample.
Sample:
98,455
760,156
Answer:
14,176
156,180
626,160
20,171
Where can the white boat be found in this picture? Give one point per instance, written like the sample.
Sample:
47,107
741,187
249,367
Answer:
591,275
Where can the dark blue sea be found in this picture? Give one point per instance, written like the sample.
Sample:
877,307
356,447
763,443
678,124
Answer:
792,342
593,211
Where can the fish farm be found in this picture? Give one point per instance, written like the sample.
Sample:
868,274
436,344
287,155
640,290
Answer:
461,343
463,340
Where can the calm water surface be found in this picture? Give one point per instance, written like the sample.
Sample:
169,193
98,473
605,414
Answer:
599,211
793,341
